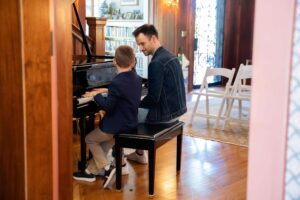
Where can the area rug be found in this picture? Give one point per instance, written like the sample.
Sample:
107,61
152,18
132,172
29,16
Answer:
233,133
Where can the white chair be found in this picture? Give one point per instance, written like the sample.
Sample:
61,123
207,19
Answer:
209,92
240,91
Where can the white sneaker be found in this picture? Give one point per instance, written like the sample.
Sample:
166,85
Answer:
125,170
143,159
109,175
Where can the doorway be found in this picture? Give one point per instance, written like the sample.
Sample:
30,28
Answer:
208,41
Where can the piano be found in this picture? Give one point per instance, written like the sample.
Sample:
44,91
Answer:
88,76
93,72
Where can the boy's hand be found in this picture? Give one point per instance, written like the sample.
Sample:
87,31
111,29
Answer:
90,94
94,92
102,113
100,90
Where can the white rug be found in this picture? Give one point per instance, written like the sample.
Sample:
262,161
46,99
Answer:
234,133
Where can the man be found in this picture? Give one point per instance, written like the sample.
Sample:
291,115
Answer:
165,101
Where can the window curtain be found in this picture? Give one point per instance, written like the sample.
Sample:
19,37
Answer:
219,34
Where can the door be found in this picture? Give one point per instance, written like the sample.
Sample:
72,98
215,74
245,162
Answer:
208,43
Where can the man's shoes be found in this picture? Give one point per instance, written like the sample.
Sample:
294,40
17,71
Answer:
84,176
110,172
143,159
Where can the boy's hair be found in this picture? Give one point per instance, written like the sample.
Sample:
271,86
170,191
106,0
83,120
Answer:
124,56
147,29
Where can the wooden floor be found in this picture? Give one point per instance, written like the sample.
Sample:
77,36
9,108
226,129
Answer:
210,170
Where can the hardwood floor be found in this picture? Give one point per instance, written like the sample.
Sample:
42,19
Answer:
210,170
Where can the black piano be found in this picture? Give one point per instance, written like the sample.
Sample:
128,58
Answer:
87,76
93,72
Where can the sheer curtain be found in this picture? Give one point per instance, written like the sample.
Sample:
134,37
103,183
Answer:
209,26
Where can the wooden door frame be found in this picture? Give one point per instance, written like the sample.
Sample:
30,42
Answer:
186,23
61,22
36,114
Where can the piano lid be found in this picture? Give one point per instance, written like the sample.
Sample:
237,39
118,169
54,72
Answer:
88,62
89,56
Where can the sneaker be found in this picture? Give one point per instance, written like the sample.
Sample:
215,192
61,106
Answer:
125,170
143,159
83,176
109,174
100,172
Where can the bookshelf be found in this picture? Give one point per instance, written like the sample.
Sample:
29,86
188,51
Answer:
121,22
120,33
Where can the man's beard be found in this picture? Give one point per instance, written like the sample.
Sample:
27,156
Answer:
146,53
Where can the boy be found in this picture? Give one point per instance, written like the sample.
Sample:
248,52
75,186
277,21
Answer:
121,107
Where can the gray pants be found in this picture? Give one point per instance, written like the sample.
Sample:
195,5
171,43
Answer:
142,115
99,143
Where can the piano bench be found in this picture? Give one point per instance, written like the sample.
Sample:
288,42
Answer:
148,137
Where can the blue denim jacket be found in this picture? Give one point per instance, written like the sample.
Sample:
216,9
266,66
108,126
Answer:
166,94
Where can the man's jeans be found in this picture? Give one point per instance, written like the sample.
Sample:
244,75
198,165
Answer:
142,115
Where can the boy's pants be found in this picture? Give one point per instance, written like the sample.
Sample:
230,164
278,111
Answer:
99,143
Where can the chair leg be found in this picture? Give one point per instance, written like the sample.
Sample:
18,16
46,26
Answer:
240,109
195,109
118,154
228,112
151,155
207,109
227,104
220,113
178,152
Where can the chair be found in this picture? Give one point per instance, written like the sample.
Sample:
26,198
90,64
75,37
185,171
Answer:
209,92
240,91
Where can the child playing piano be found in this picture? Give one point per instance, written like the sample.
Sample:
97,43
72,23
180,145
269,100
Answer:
121,107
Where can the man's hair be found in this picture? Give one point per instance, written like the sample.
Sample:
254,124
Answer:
124,56
147,29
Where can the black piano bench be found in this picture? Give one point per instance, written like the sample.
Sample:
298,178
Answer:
148,137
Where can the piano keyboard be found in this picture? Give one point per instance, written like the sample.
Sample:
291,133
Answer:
84,100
